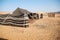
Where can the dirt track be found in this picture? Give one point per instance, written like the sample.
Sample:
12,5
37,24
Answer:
42,29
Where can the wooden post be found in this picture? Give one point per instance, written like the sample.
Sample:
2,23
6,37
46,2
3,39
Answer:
41,15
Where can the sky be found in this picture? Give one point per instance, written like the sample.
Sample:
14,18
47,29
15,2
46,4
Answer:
30,5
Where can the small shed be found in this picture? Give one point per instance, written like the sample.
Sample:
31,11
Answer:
51,14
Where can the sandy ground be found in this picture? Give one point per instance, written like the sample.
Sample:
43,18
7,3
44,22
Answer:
42,29
1,12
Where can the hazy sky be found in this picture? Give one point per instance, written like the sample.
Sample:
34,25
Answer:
31,5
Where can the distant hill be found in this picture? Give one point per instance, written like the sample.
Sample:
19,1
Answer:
58,12
55,12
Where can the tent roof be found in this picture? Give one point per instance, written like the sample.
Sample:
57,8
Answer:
19,11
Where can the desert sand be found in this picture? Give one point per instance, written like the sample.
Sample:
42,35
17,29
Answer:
47,28
4,12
